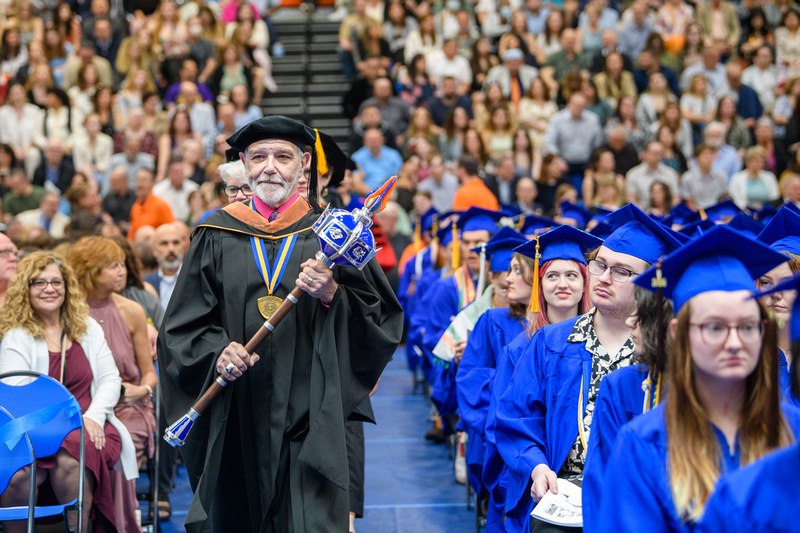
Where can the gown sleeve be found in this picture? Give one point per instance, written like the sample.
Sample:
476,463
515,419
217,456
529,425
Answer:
605,426
475,375
636,498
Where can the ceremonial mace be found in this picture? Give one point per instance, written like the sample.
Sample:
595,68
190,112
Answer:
344,239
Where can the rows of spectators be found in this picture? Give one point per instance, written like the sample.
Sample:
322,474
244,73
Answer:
96,93
651,102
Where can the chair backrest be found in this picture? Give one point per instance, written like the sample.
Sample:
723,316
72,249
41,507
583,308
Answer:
43,407
12,457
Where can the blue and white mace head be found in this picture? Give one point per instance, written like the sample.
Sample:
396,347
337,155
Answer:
344,237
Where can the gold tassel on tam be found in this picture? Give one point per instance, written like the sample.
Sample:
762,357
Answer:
456,261
322,161
533,307
703,215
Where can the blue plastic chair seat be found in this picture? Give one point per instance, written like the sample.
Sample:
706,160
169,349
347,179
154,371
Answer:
40,511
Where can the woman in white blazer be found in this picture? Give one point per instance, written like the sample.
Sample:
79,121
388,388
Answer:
753,186
46,328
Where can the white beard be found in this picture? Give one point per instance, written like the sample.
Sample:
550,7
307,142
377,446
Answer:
275,193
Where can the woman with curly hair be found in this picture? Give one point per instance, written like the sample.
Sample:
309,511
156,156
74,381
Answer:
46,328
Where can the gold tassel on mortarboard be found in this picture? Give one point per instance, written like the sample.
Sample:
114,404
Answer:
533,307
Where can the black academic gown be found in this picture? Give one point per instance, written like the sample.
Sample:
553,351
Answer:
270,453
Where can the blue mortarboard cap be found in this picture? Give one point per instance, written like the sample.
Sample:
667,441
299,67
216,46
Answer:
563,242
445,232
427,219
639,235
679,215
604,227
788,285
698,227
479,219
577,213
743,222
722,259
500,248
782,234
722,211
792,206
765,214
533,224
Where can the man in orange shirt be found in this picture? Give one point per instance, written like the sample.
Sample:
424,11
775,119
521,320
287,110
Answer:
148,210
473,192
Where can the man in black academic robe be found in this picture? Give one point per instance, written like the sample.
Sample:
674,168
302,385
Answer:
269,454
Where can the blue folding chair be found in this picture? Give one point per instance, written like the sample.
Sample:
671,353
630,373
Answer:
16,452
45,410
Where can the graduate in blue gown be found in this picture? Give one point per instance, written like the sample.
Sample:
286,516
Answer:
556,380
419,301
451,295
782,234
559,268
627,392
723,407
765,495
494,329
412,271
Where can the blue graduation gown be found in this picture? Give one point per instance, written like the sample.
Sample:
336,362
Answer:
475,378
537,414
762,496
419,318
785,380
494,469
417,269
442,308
640,497
619,400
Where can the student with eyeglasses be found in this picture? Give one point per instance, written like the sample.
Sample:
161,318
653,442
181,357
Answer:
762,496
555,383
722,409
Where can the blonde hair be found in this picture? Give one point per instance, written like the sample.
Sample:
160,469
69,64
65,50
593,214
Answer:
89,256
607,179
693,83
694,453
150,86
17,311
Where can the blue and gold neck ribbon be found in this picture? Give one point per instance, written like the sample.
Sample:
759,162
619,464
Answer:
272,276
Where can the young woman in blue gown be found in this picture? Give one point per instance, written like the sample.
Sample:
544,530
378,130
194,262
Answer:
723,408
762,496
561,293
